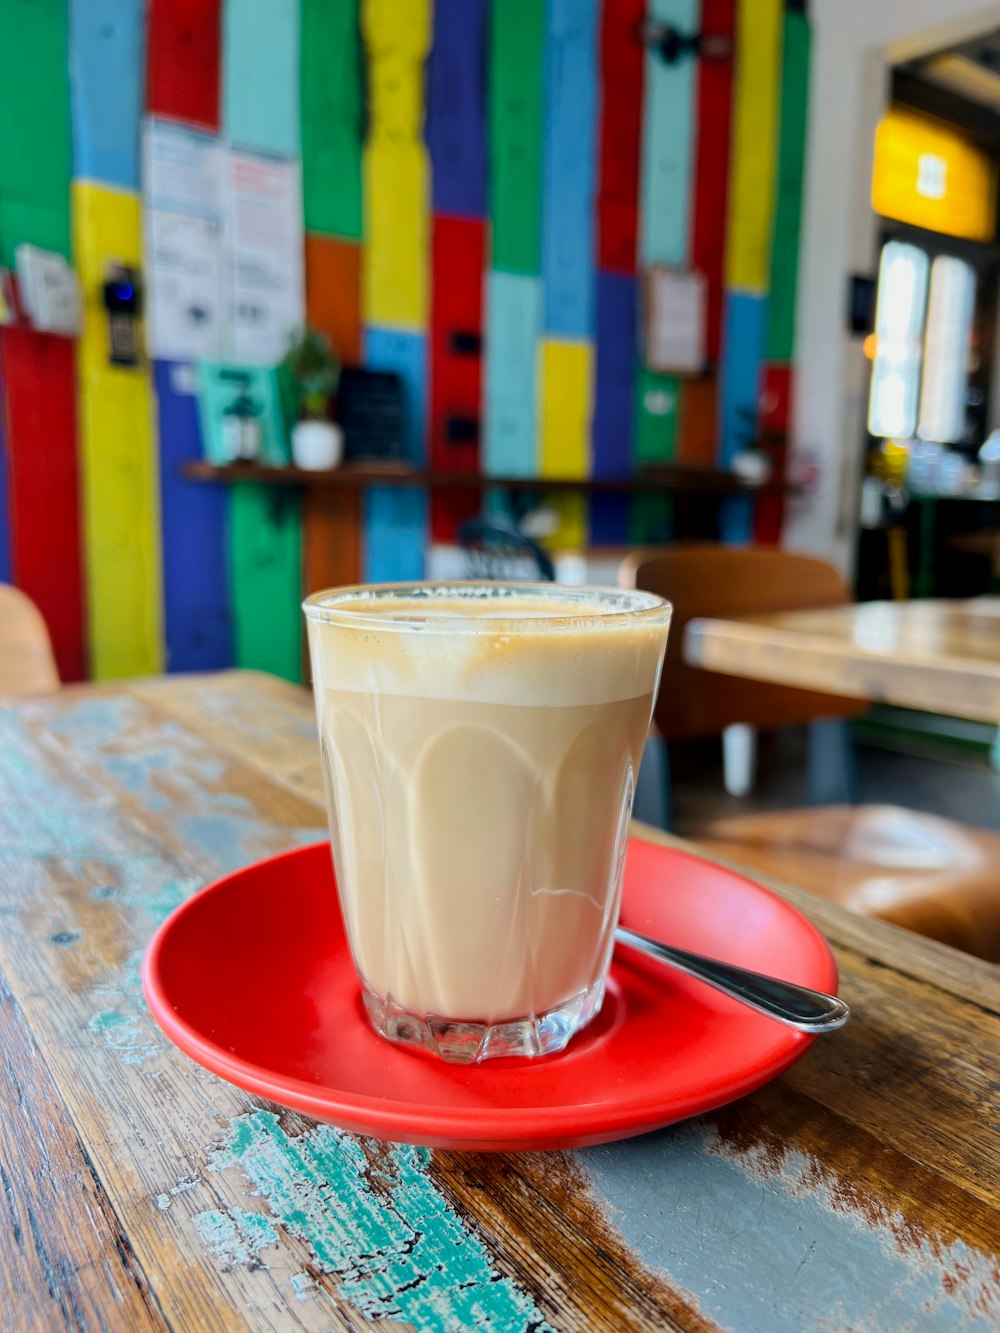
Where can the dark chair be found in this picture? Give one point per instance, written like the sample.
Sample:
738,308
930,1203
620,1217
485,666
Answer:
498,550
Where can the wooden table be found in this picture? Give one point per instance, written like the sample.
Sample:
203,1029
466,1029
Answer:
139,1192
941,656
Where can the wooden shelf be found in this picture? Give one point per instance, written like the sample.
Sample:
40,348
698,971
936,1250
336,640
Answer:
672,479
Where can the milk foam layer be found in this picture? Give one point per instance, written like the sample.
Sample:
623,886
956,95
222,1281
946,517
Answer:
514,661
480,783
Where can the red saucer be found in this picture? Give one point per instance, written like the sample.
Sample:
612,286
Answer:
252,978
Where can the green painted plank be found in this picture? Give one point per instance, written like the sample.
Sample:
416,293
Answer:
265,570
36,154
788,202
331,100
44,225
517,42
651,520
657,405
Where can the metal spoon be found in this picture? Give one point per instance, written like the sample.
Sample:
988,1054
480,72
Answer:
799,1007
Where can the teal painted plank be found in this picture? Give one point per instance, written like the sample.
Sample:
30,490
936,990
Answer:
668,133
260,75
516,50
332,112
780,345
265,567
513,325
399,1251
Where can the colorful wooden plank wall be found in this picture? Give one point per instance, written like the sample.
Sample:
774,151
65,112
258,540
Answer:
483,184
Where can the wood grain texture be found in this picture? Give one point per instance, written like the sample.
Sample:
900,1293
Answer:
867,1169
936,655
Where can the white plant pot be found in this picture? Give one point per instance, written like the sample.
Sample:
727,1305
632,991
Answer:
317,445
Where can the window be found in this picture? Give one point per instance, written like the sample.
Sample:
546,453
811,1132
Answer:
923,328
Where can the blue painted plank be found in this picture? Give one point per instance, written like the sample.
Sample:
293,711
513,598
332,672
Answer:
395,534
744,330
260,72
107,75
668,134
395,517
570,155
456,122
614,409
513,318
6,563
199,627
406,354
609,520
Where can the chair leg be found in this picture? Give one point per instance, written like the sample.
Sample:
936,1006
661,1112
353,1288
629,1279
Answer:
651,802
739,758
831,774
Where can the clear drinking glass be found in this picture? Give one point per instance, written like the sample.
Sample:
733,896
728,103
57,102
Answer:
480,744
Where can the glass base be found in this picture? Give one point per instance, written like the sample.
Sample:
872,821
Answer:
464,1043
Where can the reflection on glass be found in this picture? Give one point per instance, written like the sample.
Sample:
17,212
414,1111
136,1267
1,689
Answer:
946,350
899,318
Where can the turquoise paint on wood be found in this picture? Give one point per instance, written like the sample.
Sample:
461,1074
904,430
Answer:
260,75
513,328
265,571
332,111
397,1247
668,133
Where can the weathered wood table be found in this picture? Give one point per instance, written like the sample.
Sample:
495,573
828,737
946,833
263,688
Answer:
937,655
137,1191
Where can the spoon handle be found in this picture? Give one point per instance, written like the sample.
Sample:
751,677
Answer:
799,1007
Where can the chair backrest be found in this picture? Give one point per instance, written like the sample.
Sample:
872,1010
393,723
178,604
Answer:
725,581
498,550
27,665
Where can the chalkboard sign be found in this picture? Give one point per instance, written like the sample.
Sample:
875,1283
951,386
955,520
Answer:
370,412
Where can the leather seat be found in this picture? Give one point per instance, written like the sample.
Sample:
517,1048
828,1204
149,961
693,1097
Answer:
924,873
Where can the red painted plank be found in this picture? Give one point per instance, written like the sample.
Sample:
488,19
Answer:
775,414
620,134
458,251
708,230
39,375
182,69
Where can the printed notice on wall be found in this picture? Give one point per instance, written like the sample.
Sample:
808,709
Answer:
674,319
183,178
264,216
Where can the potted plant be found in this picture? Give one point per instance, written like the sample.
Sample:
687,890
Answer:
312,364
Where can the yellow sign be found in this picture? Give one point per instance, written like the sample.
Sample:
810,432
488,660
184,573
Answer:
931,176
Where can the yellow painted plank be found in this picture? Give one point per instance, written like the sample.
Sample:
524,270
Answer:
566,376
396,173
118,454
566,373
753,155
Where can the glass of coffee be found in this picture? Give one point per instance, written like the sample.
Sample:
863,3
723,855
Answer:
480,744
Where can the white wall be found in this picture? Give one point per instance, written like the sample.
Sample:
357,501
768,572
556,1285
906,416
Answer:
854,44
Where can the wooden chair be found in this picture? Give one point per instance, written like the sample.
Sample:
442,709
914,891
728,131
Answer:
27,665
930,875
710,580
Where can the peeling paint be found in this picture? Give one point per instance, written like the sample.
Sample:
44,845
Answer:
236,1236
798,1253
396,1246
